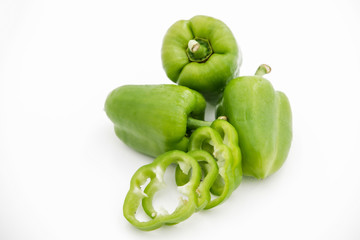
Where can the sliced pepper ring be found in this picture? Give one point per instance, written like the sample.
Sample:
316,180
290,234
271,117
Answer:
155,172
230,138
210,172
208,139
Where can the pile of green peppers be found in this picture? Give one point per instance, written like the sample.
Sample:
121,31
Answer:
251,134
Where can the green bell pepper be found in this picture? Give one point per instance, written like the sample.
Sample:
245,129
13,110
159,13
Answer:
202,54
263,120
136,197
154,119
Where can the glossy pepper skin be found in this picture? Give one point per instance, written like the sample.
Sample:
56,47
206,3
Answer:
153,119
202,54
263,120
155,173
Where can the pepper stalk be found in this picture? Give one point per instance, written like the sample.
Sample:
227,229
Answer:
193,123
199,50
262,70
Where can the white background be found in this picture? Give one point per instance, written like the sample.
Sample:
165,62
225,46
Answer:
63,172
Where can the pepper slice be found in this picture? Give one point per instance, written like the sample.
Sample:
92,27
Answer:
208,139
230,138
155,172
210,172
154,119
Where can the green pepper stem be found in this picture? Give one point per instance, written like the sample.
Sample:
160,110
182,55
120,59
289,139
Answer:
193,46
193,123
199,50
222,118
263,69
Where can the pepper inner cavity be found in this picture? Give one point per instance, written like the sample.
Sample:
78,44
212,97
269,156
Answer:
208,147
140,214
218,186
168,198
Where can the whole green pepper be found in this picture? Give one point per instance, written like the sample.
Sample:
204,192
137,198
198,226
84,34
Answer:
263,120
202,54
154,119
154,172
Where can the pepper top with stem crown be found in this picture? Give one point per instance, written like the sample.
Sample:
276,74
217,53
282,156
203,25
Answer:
199,50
